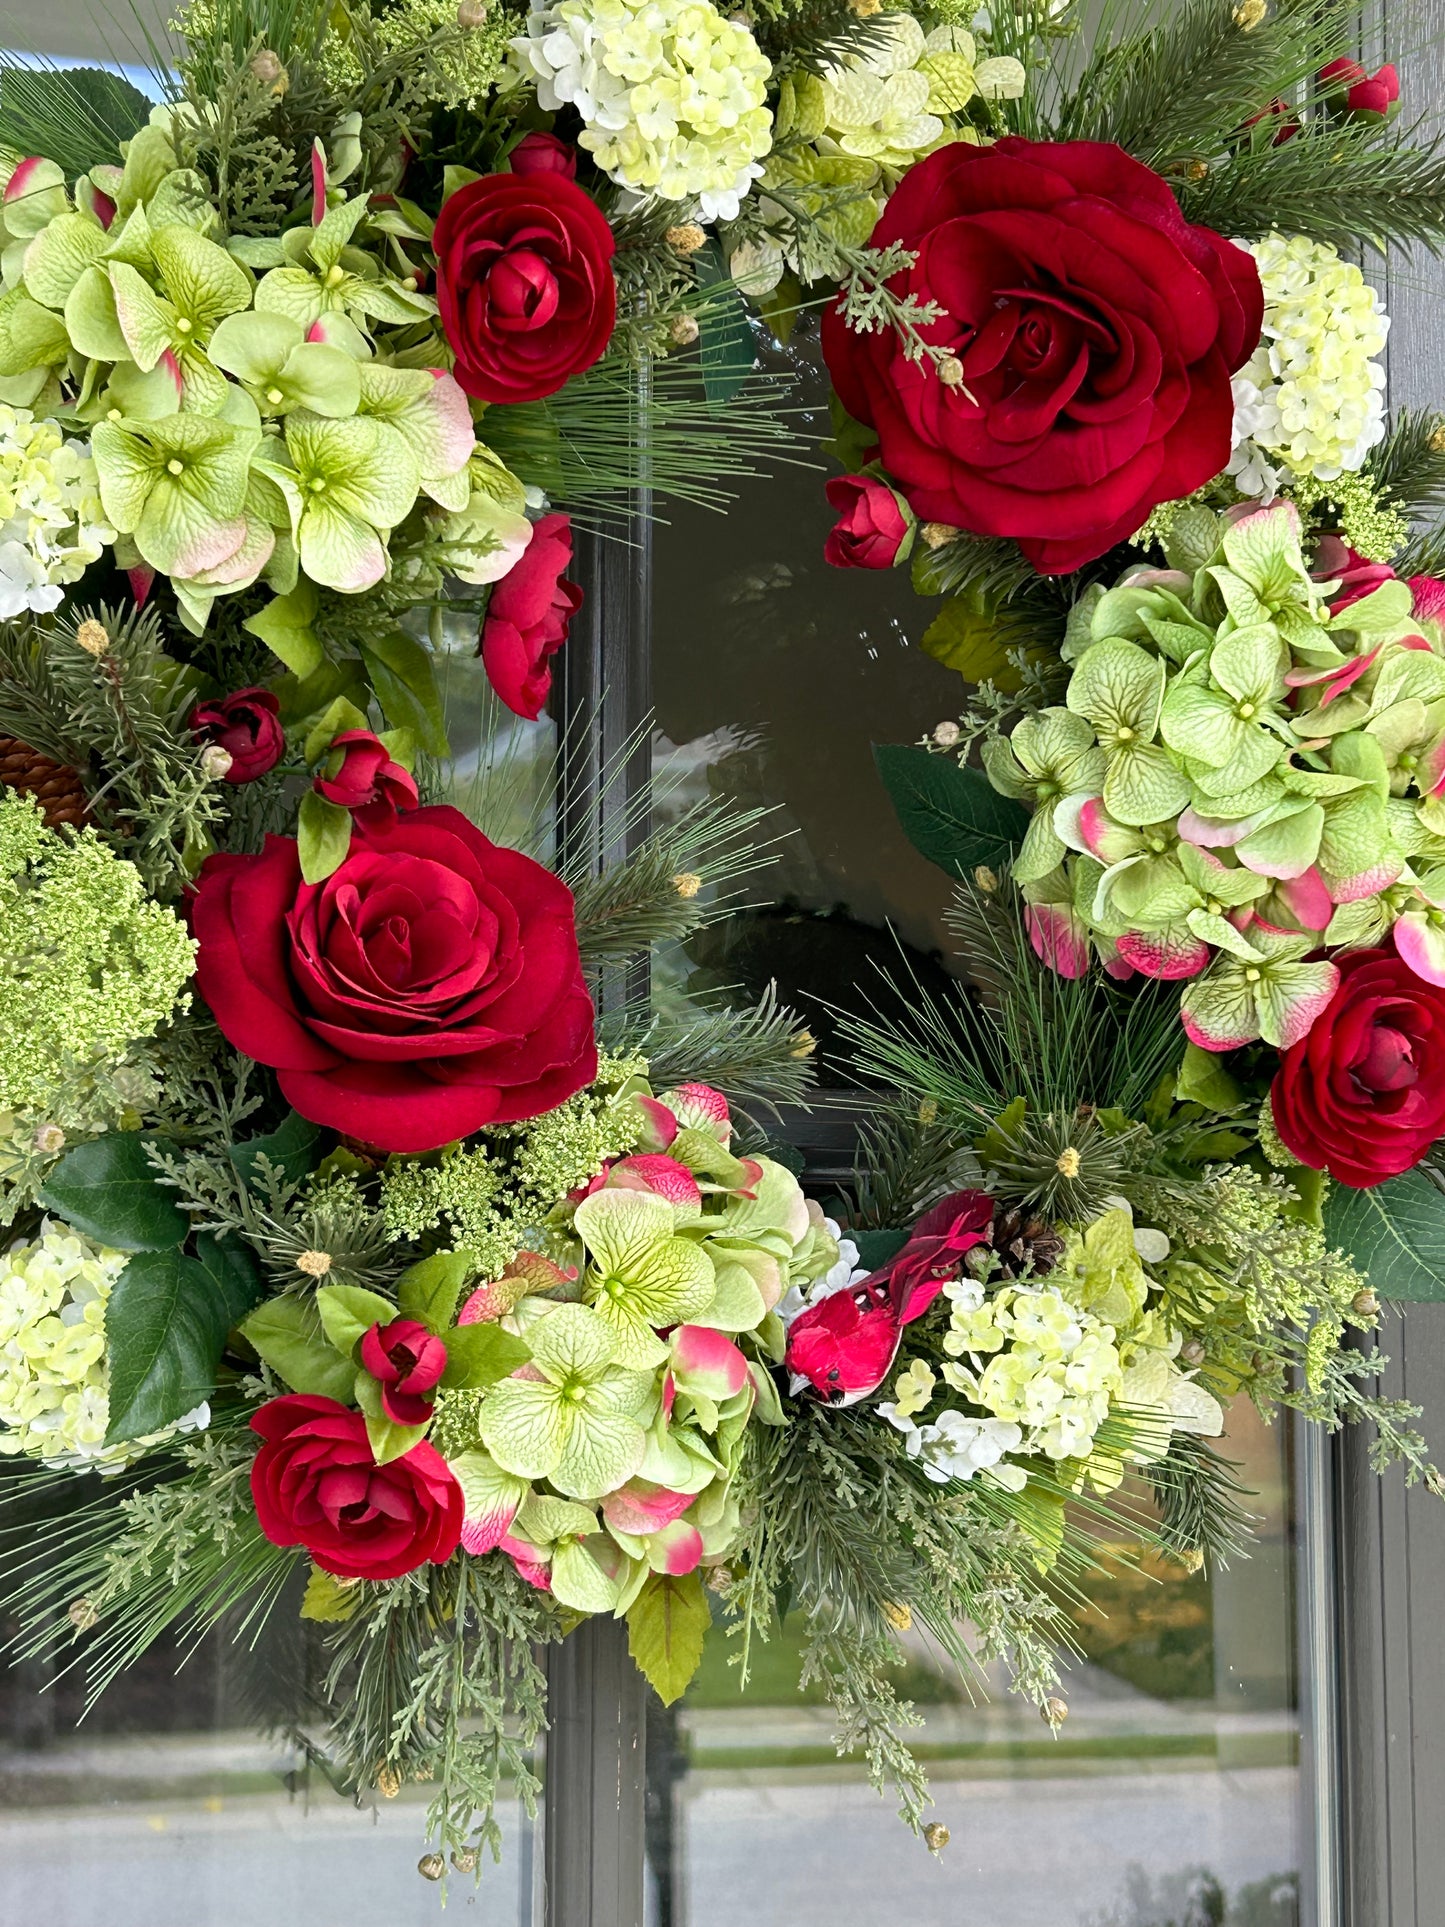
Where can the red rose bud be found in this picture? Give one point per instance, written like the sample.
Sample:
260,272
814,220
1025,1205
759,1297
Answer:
528,617
248,727
845,1344
1095,330
365,780
524,284
1282,115
875,527
406,1360
429,986
539,153
1362,1095
316,1484
1362,93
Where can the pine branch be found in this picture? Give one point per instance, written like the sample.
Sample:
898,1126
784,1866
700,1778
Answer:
672,885
759,1056
1425,555
1199,1497
1332,182
1409,465
907,1160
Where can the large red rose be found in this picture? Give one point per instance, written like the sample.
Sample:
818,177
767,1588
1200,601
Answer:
524,283
528,615
429,986
1096,332
1362,1096
316,1484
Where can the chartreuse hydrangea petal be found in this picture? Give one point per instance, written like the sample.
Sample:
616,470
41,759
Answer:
641,1275
60,254
282,370
177,486
1273,995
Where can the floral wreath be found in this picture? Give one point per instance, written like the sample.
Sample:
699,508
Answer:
347,1243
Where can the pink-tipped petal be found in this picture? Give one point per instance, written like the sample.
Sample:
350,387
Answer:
1421,944
707,1361
699,1107
676,1550
1427,597
1216,1040
1369,883
1058,939
1216,833
318,183
640,1508
663,1176
22,180
1167,954
659,1125
485,1531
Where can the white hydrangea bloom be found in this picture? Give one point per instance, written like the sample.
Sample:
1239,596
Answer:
1311,399
674,96
1037,1361
54,1404
52,524
846,1271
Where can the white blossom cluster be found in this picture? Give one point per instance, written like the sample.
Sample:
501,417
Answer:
52,524
1311,399
54,1384
674,96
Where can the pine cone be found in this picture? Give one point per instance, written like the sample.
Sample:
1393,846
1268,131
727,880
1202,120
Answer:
55,786
1023,1243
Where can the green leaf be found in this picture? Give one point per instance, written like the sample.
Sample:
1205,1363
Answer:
875,1248
234,1275
666,1626
286,1332
387,1439
970,640
107,1190
404,679
291,1148
1204,1080
725,340
1395,1233
165,1329
952,816
430,1289
480,1355
328,1598
323,836
348,1312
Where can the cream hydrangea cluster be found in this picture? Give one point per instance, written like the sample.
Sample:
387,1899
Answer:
52,524
54,1402
1034,1360
1311,398
674,96
888,104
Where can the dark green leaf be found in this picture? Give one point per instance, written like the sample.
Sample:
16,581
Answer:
1394,1232
234,1275
875,1248
165,1329
430,1289
291,1148
77,117
481,1354
286,1332
952,816
725,340
667,1624
405,682
107,1189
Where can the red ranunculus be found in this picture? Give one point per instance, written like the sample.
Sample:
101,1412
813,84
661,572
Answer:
524,283
1362,1095
528,616
539,153
316,1484
874,528
406,1360
248,727
429,986
1095,332
367,782
1364,93
845,1343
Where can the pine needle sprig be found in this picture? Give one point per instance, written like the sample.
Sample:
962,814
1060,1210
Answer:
672,884
907,1160
1408,467
760,1057
1199,1500
1332,182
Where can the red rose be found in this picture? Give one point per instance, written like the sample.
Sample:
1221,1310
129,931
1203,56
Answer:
1364,93
1362,1095
366,781
316,1484
528,616
248,727
845,1344
1095,332
524,284
1282,116
538,153
429,986
406,1360
874,529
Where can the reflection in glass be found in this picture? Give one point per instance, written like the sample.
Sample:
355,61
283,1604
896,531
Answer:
1169,1798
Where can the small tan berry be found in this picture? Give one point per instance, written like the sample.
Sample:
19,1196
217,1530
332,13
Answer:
92,638
315,1264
